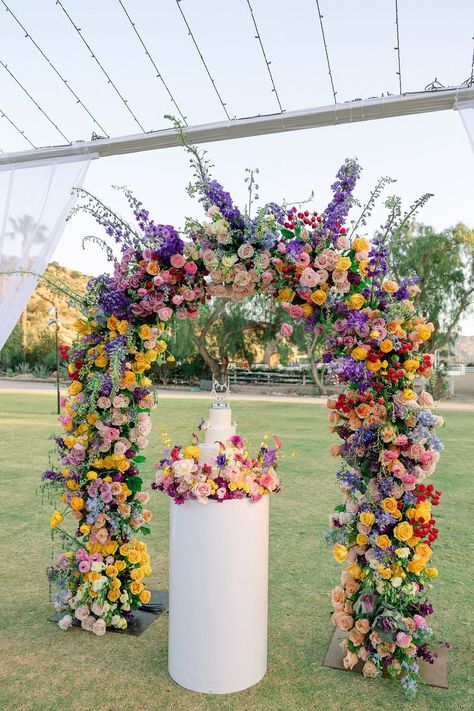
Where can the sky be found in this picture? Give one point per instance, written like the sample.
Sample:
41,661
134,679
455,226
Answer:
425,153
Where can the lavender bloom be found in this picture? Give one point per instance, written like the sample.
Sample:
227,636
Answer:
52,476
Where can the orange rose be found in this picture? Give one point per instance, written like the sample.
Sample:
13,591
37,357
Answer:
145,596
136,587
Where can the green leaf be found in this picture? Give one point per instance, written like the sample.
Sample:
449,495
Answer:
146,530
134,483
340,508
286,233
139,458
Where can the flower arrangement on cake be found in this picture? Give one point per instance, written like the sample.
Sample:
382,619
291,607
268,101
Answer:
232,473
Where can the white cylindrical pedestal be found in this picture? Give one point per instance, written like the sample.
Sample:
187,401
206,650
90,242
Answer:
218,594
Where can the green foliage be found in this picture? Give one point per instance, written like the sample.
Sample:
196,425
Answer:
12,353
444,263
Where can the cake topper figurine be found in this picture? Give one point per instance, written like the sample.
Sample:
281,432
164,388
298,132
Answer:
220,392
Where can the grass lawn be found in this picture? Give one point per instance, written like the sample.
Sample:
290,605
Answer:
43,668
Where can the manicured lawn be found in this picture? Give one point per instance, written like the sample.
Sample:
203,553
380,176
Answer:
43,668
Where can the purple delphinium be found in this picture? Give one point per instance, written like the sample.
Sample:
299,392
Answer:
214,194
339,207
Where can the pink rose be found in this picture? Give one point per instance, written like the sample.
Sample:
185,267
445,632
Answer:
296,311
202,490
350,660
403,640
286,330
190,267
370,670
82,612
401,440
65,622
425,398
338,597
303,260
245,251
158,280
103,402
88,623
281,247
99,627
356,637
165,313
363,625
309,277
177,261
420,622
84,566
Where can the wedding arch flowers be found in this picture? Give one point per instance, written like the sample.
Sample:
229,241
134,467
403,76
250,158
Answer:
335,283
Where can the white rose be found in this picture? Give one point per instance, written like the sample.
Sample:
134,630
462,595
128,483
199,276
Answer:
65,622
396,582
97,566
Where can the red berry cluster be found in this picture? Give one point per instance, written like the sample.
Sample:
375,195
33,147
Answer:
64,351
310,219
426,363
420,528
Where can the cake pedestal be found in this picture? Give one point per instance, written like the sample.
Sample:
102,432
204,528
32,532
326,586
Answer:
218,594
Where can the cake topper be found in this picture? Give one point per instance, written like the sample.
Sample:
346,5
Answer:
220,392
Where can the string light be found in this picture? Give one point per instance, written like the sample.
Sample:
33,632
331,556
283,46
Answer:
94,57
470,80
158,73
259,37
34,101
65,82
334,92
397,48
190,33
22,133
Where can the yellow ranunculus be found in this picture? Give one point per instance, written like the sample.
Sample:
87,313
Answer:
170,359
161,346
367,518
91,475
343,263
408,394
77,503
374,366
144,332
360,244
56,519
386,345
359,353
191,452
423,510
318,297
403,531
73,485
383,541
340,552
69,441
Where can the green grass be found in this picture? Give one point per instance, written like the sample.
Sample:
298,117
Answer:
43,668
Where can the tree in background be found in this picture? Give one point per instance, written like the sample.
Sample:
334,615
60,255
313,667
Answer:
444,264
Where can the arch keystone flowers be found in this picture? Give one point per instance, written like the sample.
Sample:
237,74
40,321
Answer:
337,286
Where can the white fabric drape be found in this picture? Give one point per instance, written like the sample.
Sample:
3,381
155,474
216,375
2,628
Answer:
466,112
35,199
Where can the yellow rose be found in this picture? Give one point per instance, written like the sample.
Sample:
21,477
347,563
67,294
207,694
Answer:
161,346
397,514
423,551
424,333
356,301
145,596
77,503
360,244
340,552
359,353
423,511
110,548
362,539
136,587
363,264
120,565
124,549
69,441
101,361
367,518
355,570
111,571
128,378
386,573
403,532
113,595
75,387
170,359
318,297
137,574
343,263
432,572
144,332
307,310
122,327
56,519
411,365
416,566
151,355
408,394
374,366
386,345
383,541
389,504
134,556
91,475
112,323
413,541
286,294
85,529
389,286
191,452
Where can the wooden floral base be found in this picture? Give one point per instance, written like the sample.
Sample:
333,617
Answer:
144,617
433,674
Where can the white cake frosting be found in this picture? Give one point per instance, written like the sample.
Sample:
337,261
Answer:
219,428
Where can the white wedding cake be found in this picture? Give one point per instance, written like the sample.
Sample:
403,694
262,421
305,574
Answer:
219,427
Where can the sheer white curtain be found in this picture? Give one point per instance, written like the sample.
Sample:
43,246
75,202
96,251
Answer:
466,112
35,199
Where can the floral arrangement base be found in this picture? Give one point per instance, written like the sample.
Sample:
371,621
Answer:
144,617
435,674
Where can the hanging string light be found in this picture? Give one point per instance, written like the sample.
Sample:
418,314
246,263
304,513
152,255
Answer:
334,92
22,133
190,33
397,48
258,36
104,71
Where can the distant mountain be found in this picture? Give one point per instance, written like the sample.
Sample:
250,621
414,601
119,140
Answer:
36,312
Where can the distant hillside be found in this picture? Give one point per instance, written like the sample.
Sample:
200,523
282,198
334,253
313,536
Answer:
36,312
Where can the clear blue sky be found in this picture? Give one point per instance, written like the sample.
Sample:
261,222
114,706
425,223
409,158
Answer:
426,153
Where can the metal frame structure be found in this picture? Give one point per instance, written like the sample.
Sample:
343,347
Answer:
348,112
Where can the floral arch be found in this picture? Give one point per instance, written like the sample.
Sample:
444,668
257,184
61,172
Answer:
336,285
